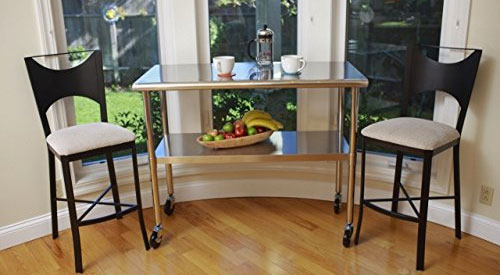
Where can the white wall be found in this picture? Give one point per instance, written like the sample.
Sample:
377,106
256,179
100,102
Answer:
480,143
24,189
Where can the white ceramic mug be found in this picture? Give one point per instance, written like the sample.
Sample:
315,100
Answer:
292,64
224,64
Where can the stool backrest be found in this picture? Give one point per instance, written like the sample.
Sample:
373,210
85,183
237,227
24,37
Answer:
49,85
456,79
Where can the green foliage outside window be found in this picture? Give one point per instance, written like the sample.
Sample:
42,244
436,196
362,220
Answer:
229,21
76,53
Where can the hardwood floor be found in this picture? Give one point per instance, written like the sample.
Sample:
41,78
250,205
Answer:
255,236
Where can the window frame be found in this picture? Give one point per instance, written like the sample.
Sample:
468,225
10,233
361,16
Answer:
334,13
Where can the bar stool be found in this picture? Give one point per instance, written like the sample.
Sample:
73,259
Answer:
421,137
81,141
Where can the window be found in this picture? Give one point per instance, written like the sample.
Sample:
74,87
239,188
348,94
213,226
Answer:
232,24
377,34
126,33
171,13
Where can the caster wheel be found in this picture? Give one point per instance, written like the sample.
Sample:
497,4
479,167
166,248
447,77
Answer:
336,206
169,206
337,203
347,235
155,241
346,241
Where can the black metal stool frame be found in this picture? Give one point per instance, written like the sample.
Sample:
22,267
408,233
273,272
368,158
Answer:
424,74
85,80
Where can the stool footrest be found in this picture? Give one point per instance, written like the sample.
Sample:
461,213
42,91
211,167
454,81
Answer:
407,198
107,217
93,203
377,208
410,201
412,198
101,202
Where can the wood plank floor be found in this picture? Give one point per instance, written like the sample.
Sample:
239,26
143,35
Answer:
255,236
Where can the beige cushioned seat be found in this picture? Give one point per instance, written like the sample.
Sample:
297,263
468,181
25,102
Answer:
412,132
85,137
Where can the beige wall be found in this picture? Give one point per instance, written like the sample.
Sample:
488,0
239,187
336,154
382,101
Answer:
23,163
480,142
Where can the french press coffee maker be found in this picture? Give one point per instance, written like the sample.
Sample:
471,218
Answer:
264,42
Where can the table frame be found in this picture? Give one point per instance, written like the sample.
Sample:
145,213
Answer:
341,85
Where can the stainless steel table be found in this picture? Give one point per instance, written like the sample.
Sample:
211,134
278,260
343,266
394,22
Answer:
282,146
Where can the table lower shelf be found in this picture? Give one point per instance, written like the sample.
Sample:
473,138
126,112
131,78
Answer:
281,146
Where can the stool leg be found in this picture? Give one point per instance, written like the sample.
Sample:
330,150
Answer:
75,232
114,185
397,180
456,181
361,191
138,198
53,195
422,224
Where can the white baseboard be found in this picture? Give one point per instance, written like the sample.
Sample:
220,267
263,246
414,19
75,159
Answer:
40,226
474,224
444,214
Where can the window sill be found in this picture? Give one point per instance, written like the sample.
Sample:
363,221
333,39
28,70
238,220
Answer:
379,168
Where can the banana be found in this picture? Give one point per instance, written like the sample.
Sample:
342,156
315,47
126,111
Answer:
263,122
278,124
254,114
261,118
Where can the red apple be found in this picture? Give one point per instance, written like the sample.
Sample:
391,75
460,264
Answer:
240,131
238,124
239,128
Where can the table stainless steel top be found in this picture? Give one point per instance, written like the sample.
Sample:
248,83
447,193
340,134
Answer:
247,75
282,146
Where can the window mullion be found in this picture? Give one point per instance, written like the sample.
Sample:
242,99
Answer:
52,31
183,39
454,28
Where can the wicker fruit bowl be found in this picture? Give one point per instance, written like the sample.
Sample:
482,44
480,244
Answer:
235,142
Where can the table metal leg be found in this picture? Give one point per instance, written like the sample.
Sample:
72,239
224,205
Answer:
169,206
156,236
338,170
348,230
